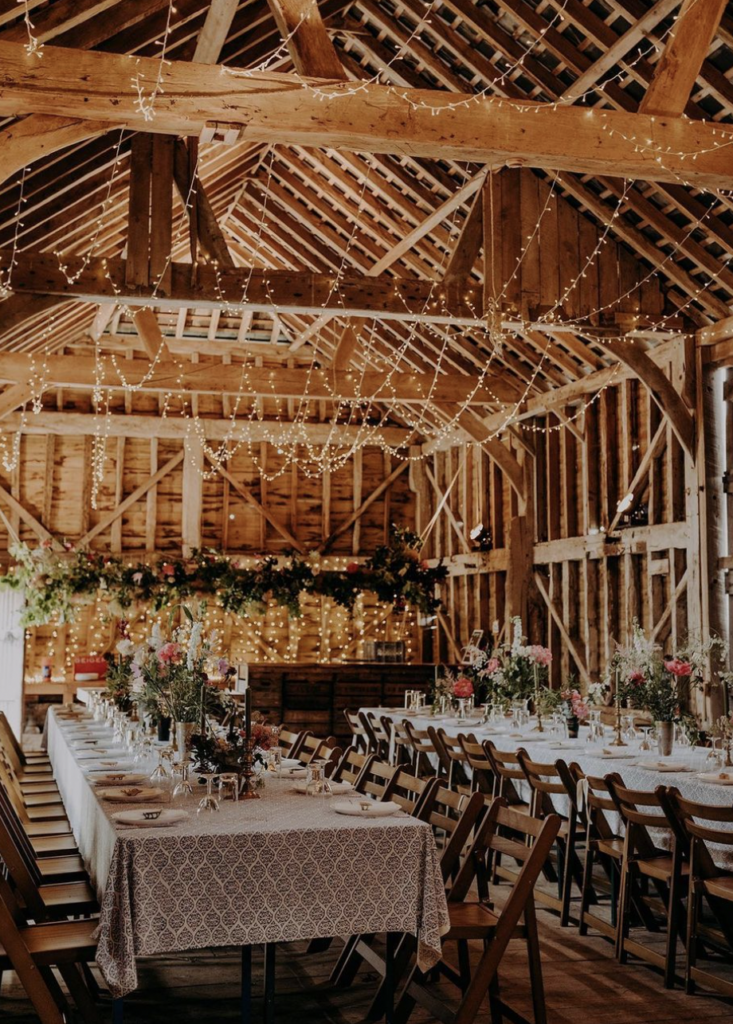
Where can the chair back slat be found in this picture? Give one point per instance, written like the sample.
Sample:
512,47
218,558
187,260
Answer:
413,795
375,779
351,765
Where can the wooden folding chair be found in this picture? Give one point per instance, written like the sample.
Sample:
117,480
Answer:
29,761
32,950
359,738
41,807
457,761
376,778
477,919
39,827
508,772
602,845
402,749
483,779
42,846
44,899
424,754
547,781
708,884
291,742
643,862
315,749
353,762
378,734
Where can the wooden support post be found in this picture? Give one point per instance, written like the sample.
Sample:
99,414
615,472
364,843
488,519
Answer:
192,496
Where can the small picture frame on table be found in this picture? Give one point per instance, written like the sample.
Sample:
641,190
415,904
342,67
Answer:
242,681
474,644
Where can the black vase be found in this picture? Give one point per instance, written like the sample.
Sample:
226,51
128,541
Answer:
164,729
573,726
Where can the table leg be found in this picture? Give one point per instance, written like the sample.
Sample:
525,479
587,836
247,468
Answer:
389,956
269,1011
246,996
117,1011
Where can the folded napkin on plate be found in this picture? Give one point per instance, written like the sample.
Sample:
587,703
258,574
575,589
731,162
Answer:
337,788
381,809
717,778
294,773
132,795
606,753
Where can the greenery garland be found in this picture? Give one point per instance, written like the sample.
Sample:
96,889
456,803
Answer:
56,583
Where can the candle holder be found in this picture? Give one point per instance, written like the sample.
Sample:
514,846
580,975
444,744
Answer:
618,740
247,789
537,711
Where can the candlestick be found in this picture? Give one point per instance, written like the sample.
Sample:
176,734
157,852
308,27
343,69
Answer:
540,727
248,714
618,740
247,790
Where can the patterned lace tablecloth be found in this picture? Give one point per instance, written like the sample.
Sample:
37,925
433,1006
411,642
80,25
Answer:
589,758
279,869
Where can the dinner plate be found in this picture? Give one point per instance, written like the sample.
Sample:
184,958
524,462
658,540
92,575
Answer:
122,778
132,794
717,778
135,819
290,762
98,753
294,773
336,787
376,810
663,766
107,765
613,755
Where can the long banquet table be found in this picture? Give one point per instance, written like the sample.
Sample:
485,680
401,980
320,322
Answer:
279,869
594,759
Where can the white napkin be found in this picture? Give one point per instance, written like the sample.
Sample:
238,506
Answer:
136,819
719,778
663,766
132,794
336,787
375,810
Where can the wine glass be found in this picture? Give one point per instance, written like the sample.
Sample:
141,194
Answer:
183,789
646,739
160,773
208,802
275,760
229,786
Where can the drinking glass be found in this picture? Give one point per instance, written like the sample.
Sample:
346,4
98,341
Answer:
275,760
183,788
316,783
229,786
160,773
208,802
714,757
647,738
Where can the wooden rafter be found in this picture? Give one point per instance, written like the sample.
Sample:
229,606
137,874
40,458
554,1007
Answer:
661,390
309,44
679,65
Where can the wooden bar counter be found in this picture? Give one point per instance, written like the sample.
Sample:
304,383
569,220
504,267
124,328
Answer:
308,696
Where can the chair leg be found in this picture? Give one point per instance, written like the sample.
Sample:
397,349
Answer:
623,911
693,907
567,881
79,992
464,964
673,925
118,1011
535,964
586,887
494,997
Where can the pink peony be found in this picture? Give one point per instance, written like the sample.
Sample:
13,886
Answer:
425,564
678,667
539,654
636,677
492,665
462,688
168,570
352,567
170,653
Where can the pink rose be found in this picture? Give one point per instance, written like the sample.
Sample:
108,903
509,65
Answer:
492,665
168,570
539,654
463,688
352,567
636,677
678,667
425,564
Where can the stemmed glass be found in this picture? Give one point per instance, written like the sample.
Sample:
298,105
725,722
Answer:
275,760
208,802
183,789
160,773
646,742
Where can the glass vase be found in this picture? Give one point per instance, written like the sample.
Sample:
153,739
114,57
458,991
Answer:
184,734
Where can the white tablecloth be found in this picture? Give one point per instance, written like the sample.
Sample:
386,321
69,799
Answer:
282,868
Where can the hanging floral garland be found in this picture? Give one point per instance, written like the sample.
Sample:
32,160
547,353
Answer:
56,583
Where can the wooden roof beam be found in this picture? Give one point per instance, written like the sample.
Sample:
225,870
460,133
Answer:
276,108
268,382
309,44
677,69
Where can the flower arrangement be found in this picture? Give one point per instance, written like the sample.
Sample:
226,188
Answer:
659,684
118,678
462,688
56,582
515,670
574,704
225,752
169,672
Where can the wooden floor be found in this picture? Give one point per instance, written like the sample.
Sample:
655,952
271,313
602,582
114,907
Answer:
584,985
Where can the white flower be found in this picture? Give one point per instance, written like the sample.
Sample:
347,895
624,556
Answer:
125,648
476,531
